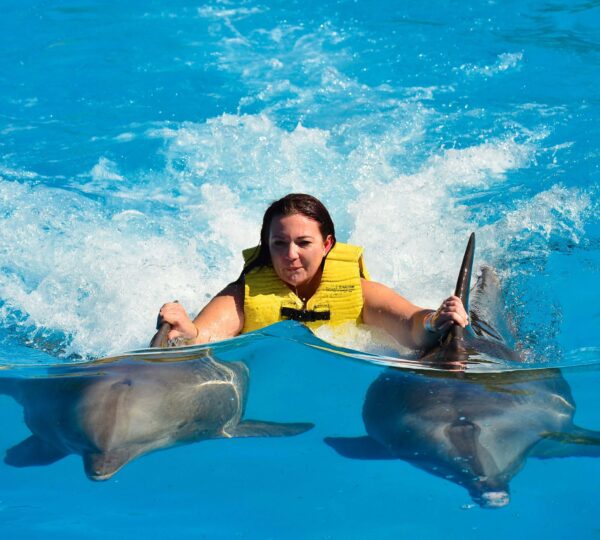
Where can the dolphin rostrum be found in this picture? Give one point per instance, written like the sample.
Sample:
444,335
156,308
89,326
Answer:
113,410
475,429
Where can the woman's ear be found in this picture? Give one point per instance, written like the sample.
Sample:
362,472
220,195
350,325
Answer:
328,244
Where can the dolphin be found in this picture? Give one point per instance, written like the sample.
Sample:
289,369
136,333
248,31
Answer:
475,429
114,410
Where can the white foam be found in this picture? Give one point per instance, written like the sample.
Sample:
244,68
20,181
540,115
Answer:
260,159
69,266
504,62
105,169
10,173
556,213
125,137
224,13
414,227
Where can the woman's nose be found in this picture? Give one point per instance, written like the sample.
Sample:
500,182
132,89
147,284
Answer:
292,251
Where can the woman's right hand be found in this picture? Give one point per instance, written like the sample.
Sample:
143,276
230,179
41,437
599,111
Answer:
181,325
450,313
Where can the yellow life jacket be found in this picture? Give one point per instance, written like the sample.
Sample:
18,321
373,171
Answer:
338,299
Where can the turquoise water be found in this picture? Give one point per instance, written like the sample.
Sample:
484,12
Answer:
139,147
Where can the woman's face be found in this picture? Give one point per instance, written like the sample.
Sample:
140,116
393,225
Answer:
297,248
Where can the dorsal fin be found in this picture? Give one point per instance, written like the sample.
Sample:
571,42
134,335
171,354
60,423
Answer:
463,284
160,339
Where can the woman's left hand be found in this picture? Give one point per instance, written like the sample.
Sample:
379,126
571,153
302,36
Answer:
451,312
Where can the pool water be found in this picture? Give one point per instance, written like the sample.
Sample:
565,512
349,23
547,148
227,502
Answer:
139,148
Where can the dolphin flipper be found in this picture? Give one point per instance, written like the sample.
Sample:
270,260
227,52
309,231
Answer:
359,448
577,442
257,428
33,451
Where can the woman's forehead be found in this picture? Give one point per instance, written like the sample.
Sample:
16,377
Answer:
294,225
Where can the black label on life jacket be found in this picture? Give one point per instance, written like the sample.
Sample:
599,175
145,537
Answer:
305,315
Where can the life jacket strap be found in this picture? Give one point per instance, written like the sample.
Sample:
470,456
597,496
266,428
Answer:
305,315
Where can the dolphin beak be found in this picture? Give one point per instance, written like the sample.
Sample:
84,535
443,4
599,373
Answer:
102,466
494,499
99,477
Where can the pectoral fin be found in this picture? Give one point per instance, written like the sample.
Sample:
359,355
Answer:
359,448
256,428
577,442
33,451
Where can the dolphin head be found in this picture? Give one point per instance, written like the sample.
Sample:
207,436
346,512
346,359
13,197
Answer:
477,465
463,452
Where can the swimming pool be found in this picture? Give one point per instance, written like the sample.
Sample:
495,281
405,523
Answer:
139,149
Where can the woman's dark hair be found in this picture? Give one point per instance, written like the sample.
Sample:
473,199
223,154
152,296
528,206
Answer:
294,203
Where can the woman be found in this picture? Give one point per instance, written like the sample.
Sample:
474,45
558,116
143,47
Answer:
299,272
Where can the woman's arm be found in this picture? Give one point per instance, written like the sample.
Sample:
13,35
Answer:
406,322
221,318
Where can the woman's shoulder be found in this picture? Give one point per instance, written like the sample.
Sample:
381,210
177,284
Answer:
235,289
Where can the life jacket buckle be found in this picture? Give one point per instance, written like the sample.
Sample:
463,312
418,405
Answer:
305,315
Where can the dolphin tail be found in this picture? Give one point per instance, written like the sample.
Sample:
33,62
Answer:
576,442
256,428
359,448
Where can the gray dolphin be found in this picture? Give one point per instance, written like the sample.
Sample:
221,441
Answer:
114,410
476,430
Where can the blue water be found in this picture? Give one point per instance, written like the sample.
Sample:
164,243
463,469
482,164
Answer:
139,146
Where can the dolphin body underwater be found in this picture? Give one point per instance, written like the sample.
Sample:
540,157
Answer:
112,411
476,430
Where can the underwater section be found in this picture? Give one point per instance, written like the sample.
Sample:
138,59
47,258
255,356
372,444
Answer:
282,426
